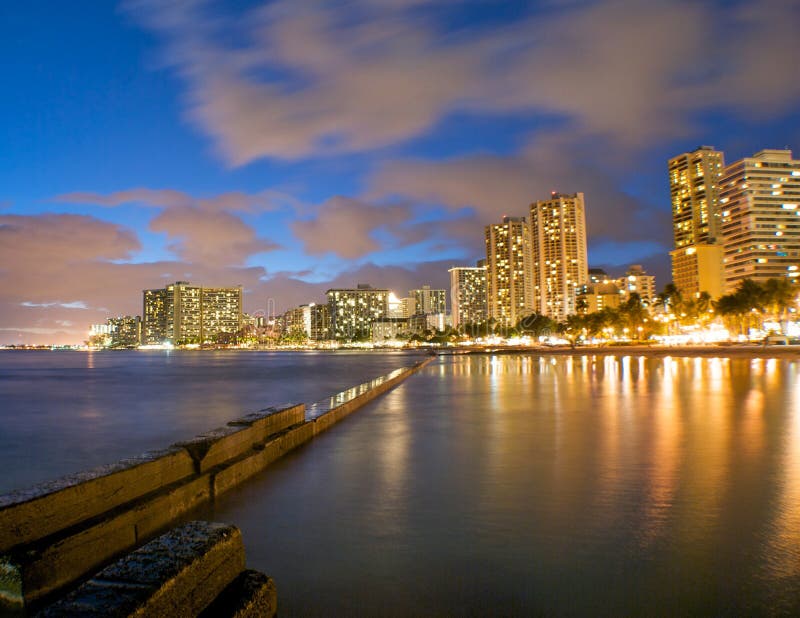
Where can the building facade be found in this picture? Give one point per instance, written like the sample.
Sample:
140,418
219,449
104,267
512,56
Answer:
428,301
509,289
694,185
468,295
125,331
559,256
183,313
637,281
311,319
760,202
593,297
699,268
352,311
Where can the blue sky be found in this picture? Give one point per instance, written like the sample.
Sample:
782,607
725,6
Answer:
293,145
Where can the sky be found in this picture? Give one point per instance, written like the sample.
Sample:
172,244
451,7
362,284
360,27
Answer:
295,145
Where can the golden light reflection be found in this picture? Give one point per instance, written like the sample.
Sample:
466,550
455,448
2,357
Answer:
783,554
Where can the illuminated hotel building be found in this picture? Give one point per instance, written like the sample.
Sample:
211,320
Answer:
637,281
312,319
185,313
221,311
560,266
352,311
468,295
125,331
429,301
694,181
508,281
760,203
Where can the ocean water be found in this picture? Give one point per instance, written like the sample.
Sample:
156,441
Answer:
524,485
510,485
63,412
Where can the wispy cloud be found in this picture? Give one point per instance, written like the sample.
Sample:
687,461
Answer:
76,304
205,230
308,77
237,201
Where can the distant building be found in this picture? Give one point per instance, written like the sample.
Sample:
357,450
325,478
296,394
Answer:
468,295
157,306
402,307
509,288
385,329
593,297
221,311
694,182
597,275
184,313
312,319
637,281
428,301
432,322
760,202
125,331
699,268
353,310
558,238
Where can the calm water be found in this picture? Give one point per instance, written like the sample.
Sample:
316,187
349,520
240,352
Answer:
63,412
508,485
519,485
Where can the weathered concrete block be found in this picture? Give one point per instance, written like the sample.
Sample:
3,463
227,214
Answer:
217,446
31,514
223,444
38,570
251,595
178,574
274,419
154,515
237,471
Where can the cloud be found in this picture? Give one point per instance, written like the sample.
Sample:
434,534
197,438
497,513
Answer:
200,229
66,276
308,78
237,201
212,238
58,268
347,227
495,186
53,240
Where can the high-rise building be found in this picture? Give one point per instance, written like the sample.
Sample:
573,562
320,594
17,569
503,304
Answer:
221,311
401,307
508,271
157,306
560,266
126,331
184,313
353,310
312,319
468,295
429,301
186,323
760,202
637,281
694,184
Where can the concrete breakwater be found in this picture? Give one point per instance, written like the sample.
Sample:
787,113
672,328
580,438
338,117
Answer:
56,534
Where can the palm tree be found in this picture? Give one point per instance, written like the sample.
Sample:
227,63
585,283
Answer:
778,296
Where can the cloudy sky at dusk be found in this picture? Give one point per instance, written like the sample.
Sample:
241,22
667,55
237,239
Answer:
294,145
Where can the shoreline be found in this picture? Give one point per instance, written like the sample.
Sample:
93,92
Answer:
737,350
732,351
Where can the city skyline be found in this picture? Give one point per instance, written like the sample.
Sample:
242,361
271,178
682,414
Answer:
368,143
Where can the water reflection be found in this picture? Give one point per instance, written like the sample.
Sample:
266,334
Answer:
525,484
